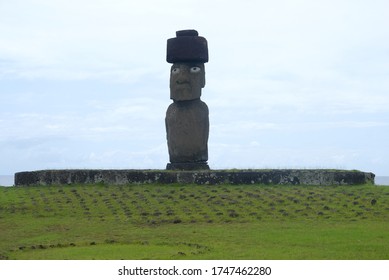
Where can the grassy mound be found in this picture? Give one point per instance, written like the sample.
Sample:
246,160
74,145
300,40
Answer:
194,222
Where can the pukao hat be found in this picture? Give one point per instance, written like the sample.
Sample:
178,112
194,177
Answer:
188,46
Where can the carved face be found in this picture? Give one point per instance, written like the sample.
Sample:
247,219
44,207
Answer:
186,81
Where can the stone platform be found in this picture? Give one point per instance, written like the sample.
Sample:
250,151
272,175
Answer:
206,177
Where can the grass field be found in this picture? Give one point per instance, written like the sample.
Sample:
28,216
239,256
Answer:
194,222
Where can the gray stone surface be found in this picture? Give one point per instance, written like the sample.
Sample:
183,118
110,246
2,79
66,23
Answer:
187,129
188,166
211,177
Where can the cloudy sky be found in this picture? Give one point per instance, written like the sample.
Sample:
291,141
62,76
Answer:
290,84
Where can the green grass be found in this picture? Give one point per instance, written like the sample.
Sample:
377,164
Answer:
194,222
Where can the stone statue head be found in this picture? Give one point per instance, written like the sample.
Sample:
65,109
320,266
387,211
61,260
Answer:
188,52
186,81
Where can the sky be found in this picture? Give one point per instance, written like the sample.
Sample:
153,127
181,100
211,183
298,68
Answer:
289,84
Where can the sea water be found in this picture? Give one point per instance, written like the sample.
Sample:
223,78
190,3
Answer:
6,180
382,180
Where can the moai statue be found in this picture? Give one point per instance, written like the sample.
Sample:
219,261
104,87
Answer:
187,122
